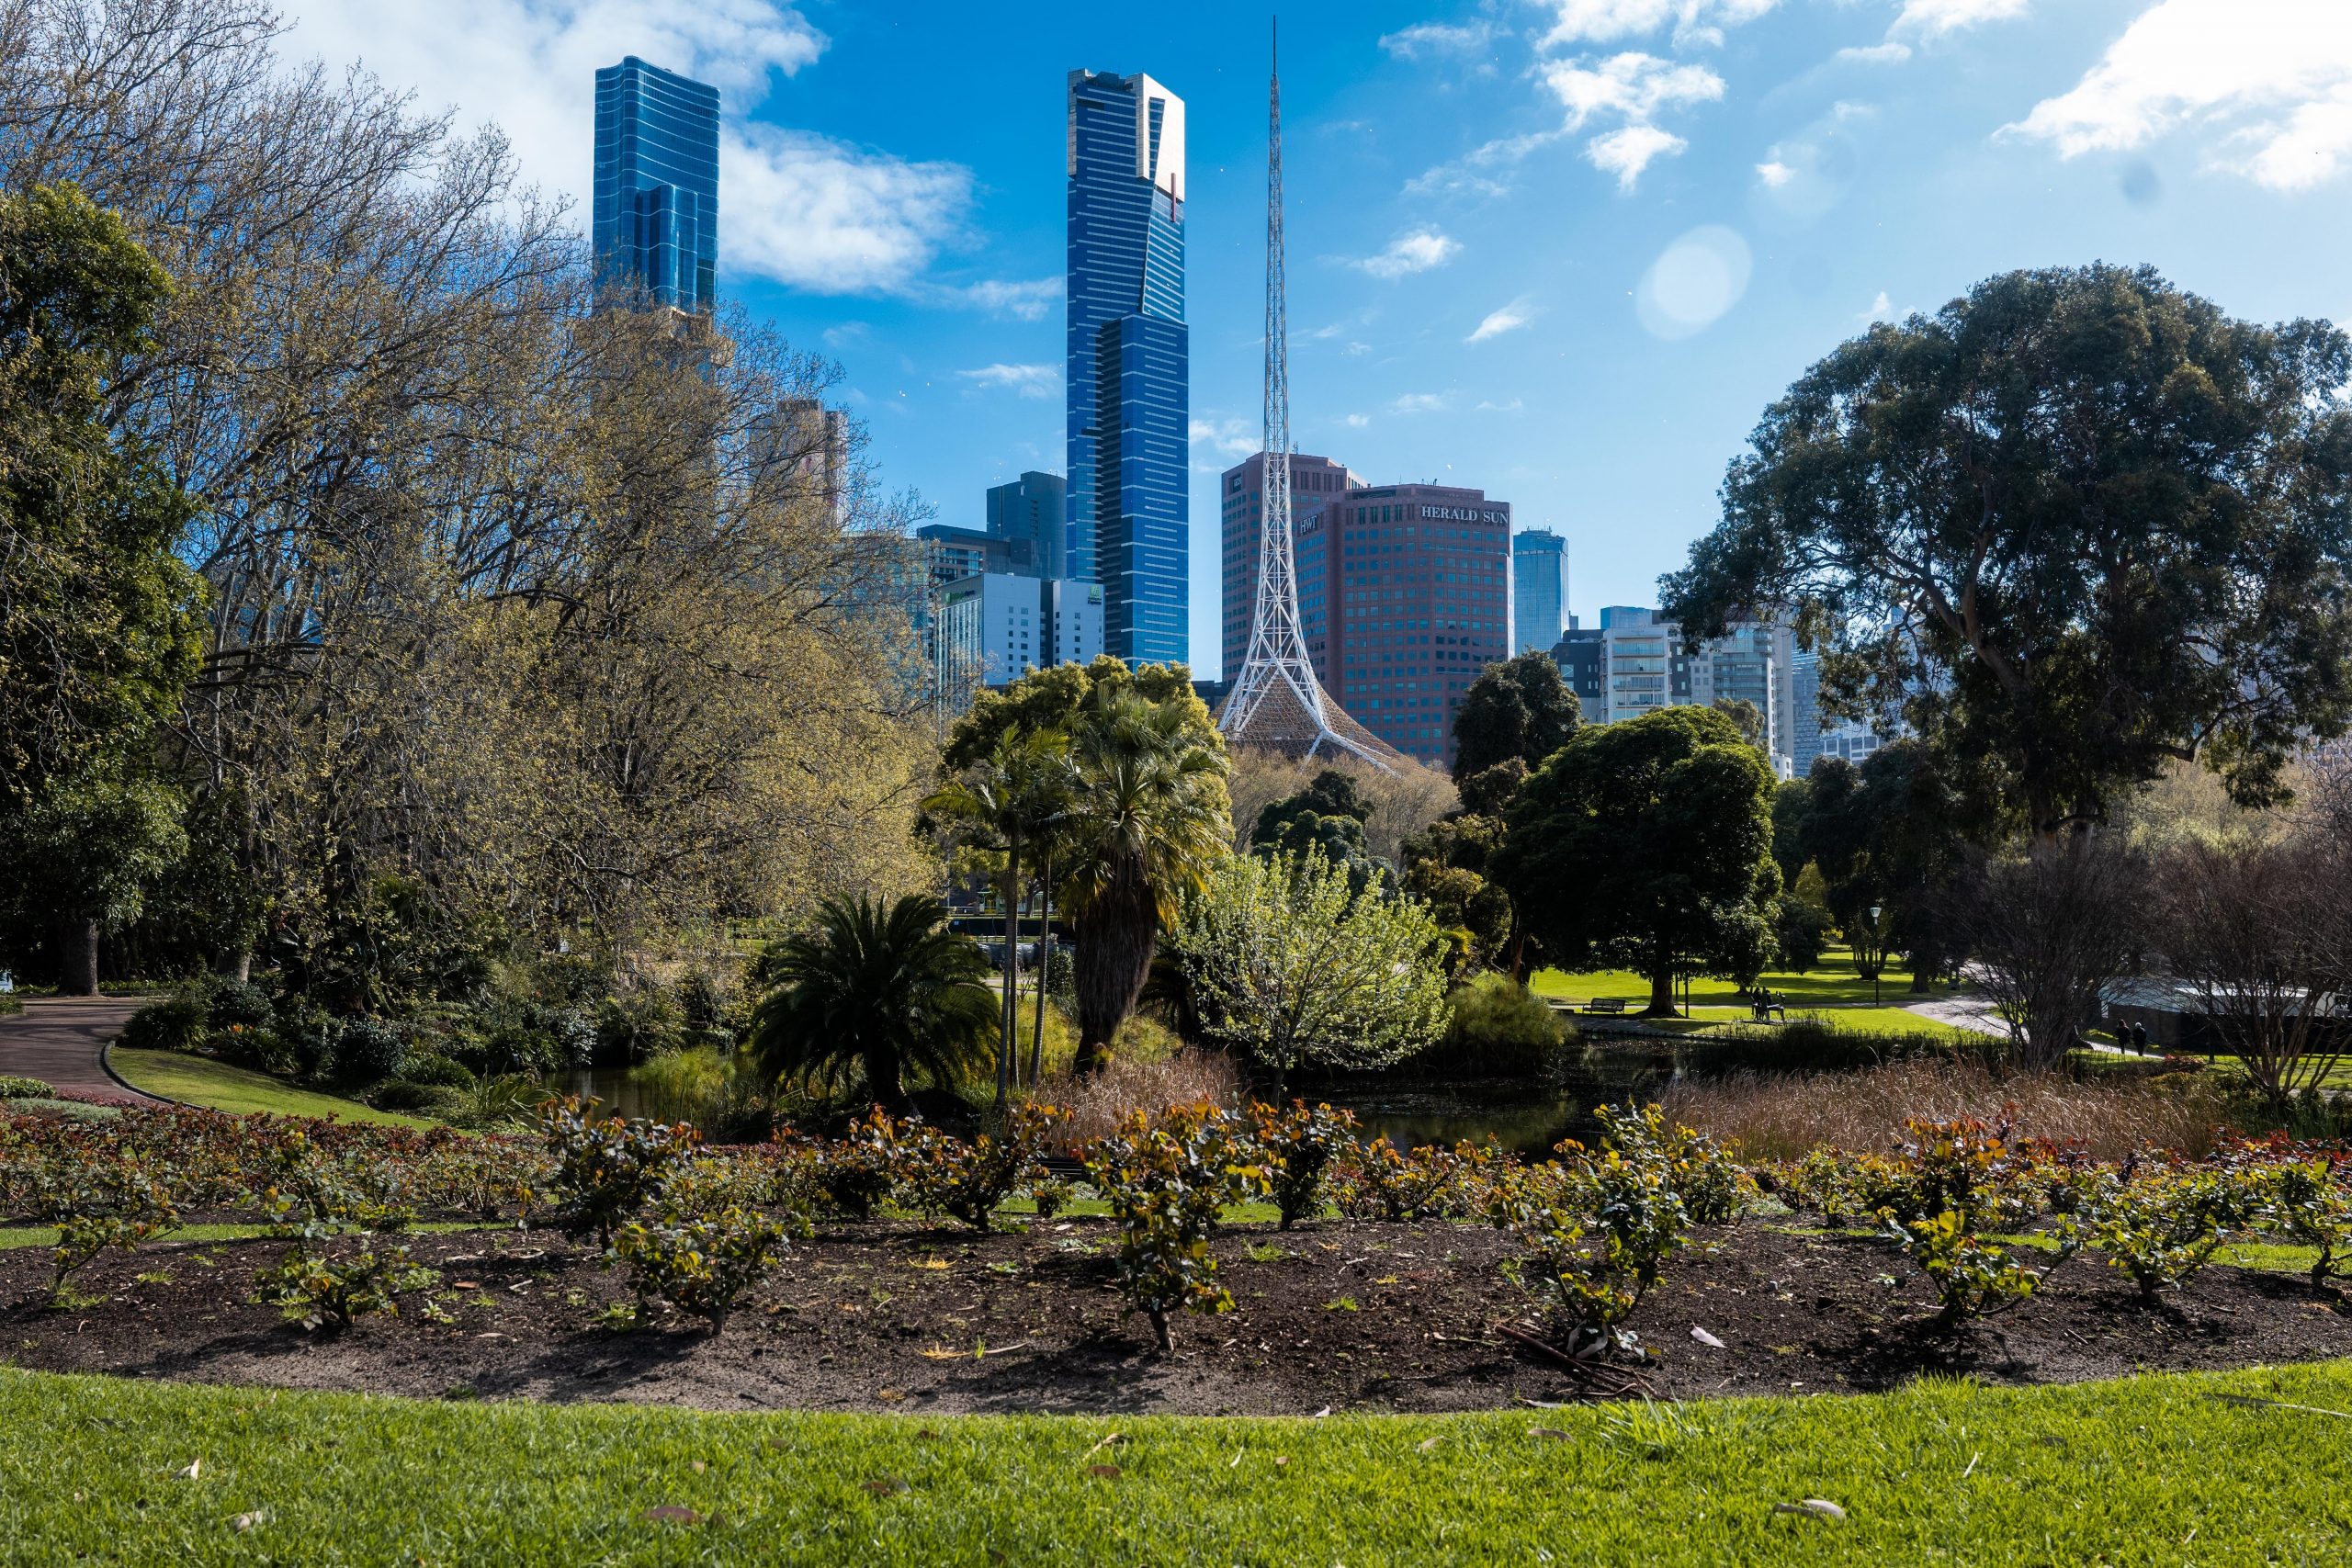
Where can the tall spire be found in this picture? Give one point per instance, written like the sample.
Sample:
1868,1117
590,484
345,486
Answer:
1276,702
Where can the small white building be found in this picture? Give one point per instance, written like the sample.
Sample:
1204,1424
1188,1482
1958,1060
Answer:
992,626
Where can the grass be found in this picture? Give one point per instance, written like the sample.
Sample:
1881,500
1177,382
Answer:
2142,1470
198,1080
1835,984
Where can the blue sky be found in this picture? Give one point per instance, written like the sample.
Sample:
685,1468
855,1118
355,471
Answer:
1566,250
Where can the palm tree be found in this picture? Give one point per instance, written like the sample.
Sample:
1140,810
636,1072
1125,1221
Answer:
1152,817
885,988
1004,803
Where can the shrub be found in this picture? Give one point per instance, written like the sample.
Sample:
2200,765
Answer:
1295,1149
81,1236
607,1169
10,1003
1592,1244
1713,1187
969,1180
638,1024
228,1001
1379,1181
318,1292
2309,1203
1101,1102
1167,1182
1970,1278
700,1262
369,1050
859,1172
1498,1028
175,1024
433,1070
405,1094
22,1088
2162,1228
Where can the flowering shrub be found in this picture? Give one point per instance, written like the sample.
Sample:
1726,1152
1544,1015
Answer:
1713,1187
1592,1240
1166,1181
860,1171
1972,1278
22,1088
1295,1149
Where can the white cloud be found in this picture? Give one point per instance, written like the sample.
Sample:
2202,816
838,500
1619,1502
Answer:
1026,380
1356,350
1774,173
831,218
1418,403
1510,319
1516,405
1889,53
1603,21
1626,152
2267,82
1881,309
1632,85
1356,420
1227,438
1026,302
797,208
1932,17
1417,250
1425,41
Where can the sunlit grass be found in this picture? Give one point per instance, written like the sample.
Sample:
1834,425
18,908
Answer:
2160,1469
217,1086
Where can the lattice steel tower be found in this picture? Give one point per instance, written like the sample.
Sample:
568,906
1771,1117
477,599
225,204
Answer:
1276,702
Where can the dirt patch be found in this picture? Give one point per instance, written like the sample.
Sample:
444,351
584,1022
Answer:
1340,1314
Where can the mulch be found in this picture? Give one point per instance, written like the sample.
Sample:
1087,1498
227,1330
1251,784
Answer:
1339,1316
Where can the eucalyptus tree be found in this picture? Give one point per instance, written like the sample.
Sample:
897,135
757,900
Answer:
2075,526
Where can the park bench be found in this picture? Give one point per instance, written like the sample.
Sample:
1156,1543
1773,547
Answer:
1605,1004
1764,1012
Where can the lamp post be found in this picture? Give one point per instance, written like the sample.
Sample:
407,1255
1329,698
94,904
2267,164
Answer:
1878,949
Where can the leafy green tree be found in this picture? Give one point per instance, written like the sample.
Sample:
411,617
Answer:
883,988
1647,844
1150,822
1150,815
1294,967
1327,817
1889,834
1448,867
1520,708
98,624
2075,525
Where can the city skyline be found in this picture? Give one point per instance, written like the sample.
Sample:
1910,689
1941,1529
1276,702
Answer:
654,216
1576,277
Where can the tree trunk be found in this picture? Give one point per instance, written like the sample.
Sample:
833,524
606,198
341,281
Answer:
239,966
1045,968
1661,994
1117,935
1160,1334
1008,1043
882,1081
77,957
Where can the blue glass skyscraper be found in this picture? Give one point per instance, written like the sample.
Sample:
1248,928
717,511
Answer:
1128,360
654,217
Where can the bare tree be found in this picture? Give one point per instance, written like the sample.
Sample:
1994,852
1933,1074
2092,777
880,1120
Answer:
2050,928
2259,935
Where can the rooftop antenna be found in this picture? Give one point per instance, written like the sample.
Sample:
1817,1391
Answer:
1276,702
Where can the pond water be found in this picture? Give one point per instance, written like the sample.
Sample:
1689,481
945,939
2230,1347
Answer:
1523,1115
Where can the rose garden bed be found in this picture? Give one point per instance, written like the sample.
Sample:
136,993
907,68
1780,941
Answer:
1343,1315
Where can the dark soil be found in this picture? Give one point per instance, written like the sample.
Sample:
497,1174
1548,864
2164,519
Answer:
1339,1315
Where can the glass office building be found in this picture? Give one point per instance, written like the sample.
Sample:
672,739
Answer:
654,213
1539,569
1127,368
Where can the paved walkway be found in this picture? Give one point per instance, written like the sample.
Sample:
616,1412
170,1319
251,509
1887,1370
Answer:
58,1040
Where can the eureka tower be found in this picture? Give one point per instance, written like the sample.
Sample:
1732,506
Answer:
1129,354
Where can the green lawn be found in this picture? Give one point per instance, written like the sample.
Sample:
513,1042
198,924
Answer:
1835,984
2144,1470
199,1080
